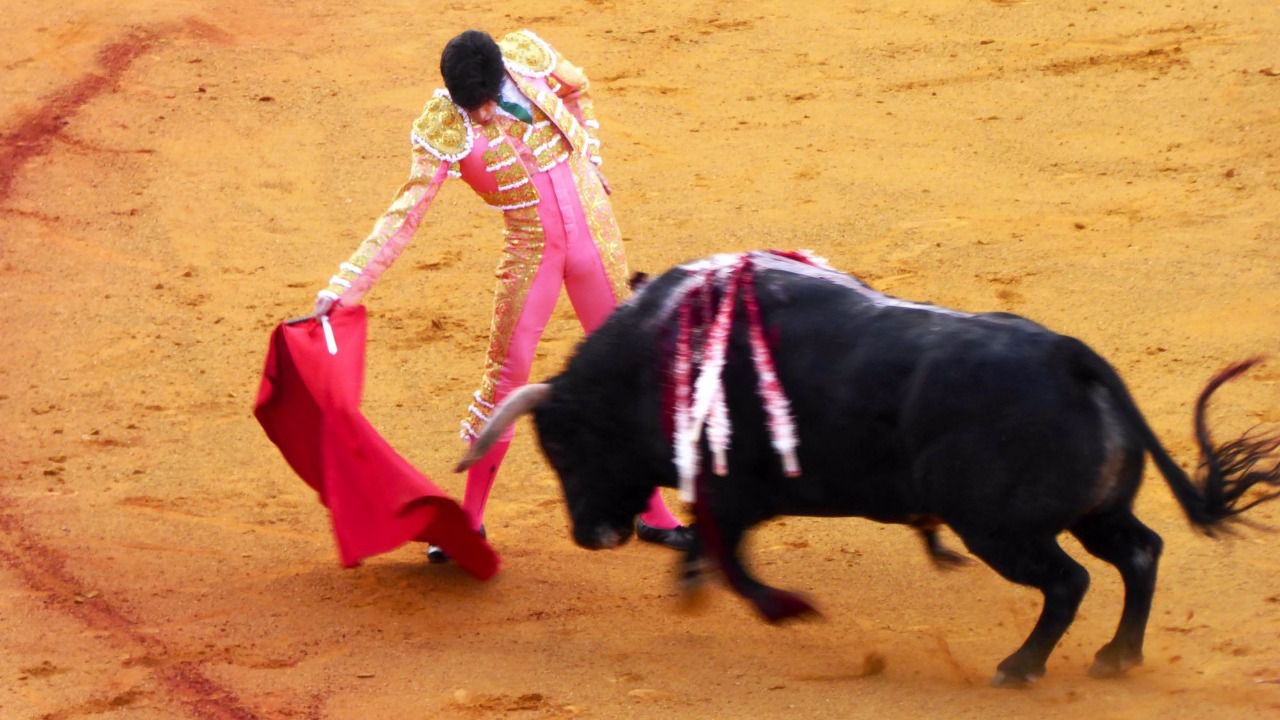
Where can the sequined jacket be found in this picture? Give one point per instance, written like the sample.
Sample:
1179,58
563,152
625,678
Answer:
446,143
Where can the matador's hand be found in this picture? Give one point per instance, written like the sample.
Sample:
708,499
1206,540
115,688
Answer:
324,305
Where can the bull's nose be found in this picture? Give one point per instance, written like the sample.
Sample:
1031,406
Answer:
602,537
607,538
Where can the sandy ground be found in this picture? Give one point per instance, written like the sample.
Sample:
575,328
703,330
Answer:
177,177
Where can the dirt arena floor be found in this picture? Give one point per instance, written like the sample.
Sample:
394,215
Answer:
176,177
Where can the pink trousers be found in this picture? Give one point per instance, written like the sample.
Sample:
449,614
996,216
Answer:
548,246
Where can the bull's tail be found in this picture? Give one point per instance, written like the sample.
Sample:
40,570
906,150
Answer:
1226,473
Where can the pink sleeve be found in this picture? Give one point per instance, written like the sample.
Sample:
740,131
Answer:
392,232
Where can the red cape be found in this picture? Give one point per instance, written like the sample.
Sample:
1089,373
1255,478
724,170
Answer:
309,404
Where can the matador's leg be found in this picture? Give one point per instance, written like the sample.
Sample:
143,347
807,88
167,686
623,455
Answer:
529,279
596,279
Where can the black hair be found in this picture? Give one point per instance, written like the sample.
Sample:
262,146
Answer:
471,65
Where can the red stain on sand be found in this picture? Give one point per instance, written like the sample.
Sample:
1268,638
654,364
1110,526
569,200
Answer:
35,133
42,568
44,571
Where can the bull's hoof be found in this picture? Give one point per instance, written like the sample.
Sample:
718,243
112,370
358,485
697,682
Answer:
692,574
1012,681
1015,673
1111,662
693,596
945,559
778,606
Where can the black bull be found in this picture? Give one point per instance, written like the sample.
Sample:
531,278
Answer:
1004,431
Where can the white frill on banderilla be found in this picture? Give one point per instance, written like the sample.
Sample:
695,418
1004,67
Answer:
700,404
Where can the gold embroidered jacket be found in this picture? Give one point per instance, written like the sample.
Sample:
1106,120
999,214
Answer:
446,143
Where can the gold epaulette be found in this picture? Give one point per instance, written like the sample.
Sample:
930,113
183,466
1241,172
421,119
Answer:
527,54
443,129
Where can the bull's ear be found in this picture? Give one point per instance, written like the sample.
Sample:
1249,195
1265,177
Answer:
638,280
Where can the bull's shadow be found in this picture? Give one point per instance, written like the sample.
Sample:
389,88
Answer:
768,384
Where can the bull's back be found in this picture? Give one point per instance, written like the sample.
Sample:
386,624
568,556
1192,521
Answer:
894,402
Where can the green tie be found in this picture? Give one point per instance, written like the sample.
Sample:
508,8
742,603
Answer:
516,111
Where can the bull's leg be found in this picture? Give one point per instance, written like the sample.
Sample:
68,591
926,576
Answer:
773,604
721,537
943,557
1040,563
1122,540
693,567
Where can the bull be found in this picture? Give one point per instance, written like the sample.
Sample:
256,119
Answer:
990,424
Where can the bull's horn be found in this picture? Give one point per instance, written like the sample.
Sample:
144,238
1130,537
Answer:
517,403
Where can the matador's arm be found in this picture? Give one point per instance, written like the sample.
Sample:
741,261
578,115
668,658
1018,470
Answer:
392,232
571,84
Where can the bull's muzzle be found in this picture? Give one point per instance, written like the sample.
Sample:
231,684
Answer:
601,537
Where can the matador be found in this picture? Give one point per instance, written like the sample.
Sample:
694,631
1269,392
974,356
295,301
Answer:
516,123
